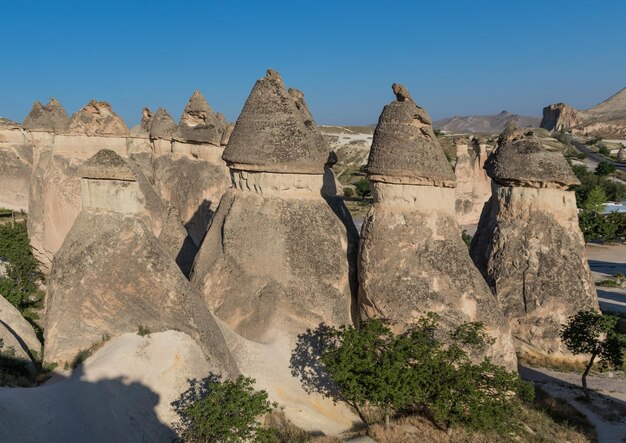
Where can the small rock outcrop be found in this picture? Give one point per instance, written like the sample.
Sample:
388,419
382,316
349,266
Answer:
278,258
17,336
162,125
473,185
97,118
560,117
51,117
621,155
529,246
199,124
131,279
412,259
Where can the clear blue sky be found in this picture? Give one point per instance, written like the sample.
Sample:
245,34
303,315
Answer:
456,57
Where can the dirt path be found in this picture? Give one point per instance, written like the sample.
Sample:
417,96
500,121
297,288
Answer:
607,410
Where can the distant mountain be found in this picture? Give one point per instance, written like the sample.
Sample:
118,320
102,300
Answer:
485,123
606,119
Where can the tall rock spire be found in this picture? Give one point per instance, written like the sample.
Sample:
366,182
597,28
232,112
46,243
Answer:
198,123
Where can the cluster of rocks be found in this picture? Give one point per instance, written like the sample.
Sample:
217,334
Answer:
473,185
116,212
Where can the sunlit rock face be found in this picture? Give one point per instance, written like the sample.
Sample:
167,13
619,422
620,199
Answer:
412,259
473,185
528,244
278,258
114,272
16,162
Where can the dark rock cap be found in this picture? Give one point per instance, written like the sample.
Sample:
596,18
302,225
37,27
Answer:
97,118
521,160
51,117
162,125
272,133
107,165
405,148
198,123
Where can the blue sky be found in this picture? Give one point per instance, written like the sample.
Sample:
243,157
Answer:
456,57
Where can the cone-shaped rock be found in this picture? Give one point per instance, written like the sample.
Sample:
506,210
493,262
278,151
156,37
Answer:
278,258
162,125
271,135
405,148
529,245
97,118
112,274
51,117
412,259
199,124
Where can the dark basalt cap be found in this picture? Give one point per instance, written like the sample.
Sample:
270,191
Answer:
107,165
275,132
521,160
51,117
199,124
162,125
405,148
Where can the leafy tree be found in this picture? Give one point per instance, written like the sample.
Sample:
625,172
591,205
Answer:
592,333
413,370
595,200
22,269
363,188
605,168
226,411
603,150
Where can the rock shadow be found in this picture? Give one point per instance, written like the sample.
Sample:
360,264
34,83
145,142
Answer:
72,409
199,222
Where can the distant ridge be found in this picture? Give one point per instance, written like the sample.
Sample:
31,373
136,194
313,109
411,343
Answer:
485,123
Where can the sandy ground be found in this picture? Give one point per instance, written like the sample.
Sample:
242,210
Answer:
605,261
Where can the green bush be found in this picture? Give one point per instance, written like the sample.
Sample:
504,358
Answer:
467,239
20,285
604,169
348,192
614,191
591,333
415,372
603,227
226,411
363,188
603,150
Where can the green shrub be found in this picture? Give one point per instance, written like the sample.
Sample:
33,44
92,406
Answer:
467,239
414,371
143,330
226,411
605,168
604,227
20,285
348,192
614,191
363,188
594,334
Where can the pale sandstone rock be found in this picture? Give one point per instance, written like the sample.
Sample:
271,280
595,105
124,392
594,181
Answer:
560,117
473,185
17,334
121,393
199,123
278,258
131,278
97,118
16,159
162,125
621,155
529,246
412,259
49,118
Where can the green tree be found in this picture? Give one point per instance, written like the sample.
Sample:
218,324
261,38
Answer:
363,188
595,200
415,371
226,411
603,150
594,334
604,169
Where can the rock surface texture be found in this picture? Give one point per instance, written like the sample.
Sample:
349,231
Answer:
16,159
528,244
278,258
97,118
412,259
473,185
605,119
17,335
112,275
51,117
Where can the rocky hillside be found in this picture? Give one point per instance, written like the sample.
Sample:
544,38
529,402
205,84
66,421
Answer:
485,123
605,119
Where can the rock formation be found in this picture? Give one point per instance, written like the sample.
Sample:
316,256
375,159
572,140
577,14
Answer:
278,258
529,246
412,258
621,155
486,124
97,118
54,197
473,185
51,118
199,124
112,275
16,159
605,119
17,336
